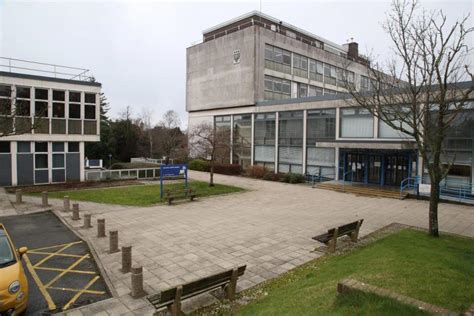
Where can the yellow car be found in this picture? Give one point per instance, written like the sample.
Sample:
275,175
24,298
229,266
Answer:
13,282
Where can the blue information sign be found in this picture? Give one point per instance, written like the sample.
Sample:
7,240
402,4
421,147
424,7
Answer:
173,171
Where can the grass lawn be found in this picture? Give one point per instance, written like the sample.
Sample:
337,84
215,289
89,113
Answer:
140,195
438,271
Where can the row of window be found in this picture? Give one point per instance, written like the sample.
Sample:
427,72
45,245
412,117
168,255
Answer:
23,103
307,67
40,147
282,88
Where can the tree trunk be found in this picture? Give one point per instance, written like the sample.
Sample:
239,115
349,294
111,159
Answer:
211,175
433,215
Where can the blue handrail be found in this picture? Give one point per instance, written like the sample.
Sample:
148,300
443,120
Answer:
344,179
409,183
451,188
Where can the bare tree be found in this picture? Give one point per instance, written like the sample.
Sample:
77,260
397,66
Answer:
423,91
206,142
147,114
171,136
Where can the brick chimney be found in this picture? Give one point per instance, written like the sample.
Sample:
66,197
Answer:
353,50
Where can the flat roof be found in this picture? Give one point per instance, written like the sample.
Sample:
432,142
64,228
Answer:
333,45
45,78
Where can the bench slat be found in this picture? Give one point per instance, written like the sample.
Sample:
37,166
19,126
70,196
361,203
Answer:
342,230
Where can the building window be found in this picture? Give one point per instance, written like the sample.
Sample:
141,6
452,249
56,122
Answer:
89,112
276,88
314,91
357,123
41,109
4,147
277,59
364,83
22,104
242,140
5,91
58,95
321,125
223,130
90,98
74,96
5,100
73,147
302,90
23,92
41,94
316,70
290,142
264,138
330,74
58,109
24,147
330,92
74,110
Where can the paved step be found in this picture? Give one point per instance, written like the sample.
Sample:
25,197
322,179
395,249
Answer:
361,190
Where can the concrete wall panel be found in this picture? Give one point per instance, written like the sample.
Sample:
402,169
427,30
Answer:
73,167
25,169
5,170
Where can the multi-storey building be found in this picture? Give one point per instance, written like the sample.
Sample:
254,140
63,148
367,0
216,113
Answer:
48,113
279,89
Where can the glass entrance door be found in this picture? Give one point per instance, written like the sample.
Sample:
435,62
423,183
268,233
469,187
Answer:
396,169
356,164
375,164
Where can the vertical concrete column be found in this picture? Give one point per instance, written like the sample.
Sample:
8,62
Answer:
338,123
252,141
81,160
231,138
336,163
87,220
19,196
75,212
137,282
50,159
113,241
277,121
305,128
67,204
14,161
101,227
126,259
376,127
44,198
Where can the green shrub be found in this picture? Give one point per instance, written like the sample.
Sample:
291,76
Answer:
256,171
199,165
293,178
271,176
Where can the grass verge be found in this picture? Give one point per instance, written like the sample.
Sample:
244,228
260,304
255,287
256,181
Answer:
439,271
141,195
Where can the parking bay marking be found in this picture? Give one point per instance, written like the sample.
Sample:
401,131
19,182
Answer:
43,288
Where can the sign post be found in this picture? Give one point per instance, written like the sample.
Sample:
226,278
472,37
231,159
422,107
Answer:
173,171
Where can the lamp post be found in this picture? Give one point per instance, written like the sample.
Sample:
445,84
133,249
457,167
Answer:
110,160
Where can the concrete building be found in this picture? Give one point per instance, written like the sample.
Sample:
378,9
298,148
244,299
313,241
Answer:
278,89
48,113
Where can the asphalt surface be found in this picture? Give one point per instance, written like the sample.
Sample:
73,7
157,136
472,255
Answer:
45,230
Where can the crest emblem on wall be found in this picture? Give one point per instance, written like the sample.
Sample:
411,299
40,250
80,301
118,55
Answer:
236,56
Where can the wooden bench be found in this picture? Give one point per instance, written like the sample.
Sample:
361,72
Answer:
330,238
170,195
171,298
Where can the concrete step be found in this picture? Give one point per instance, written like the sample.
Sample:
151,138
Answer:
362,190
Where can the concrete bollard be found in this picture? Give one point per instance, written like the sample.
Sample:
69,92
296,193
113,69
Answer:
126,259
137,282
19,196
44,196
87,220
113,241
67,204
100,227
75,212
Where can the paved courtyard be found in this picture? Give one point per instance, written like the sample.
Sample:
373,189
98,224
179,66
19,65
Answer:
269,228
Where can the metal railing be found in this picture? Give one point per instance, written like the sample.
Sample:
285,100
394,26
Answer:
456,189
409,183
151,160
122,174
318,177
45,69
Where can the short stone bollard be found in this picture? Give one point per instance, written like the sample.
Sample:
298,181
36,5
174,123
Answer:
87,220
101,227
75,212
44,196
137,282
113,241
126,259
19,196
67,204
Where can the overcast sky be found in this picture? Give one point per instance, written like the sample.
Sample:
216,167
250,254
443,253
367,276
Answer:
137,50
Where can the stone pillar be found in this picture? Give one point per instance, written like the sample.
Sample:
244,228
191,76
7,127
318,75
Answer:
137,282
67,204
87,220
19,196
100,227
126,259
75,212
113,241
44,196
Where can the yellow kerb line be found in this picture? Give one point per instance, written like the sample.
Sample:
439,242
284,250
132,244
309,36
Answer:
47,297
75,297
70,271
71,267
77,290
53,254
56,246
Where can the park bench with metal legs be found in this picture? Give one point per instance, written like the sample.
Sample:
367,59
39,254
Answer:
170,195
330,238
172,297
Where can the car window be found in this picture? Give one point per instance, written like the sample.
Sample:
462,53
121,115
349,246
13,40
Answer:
6,253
